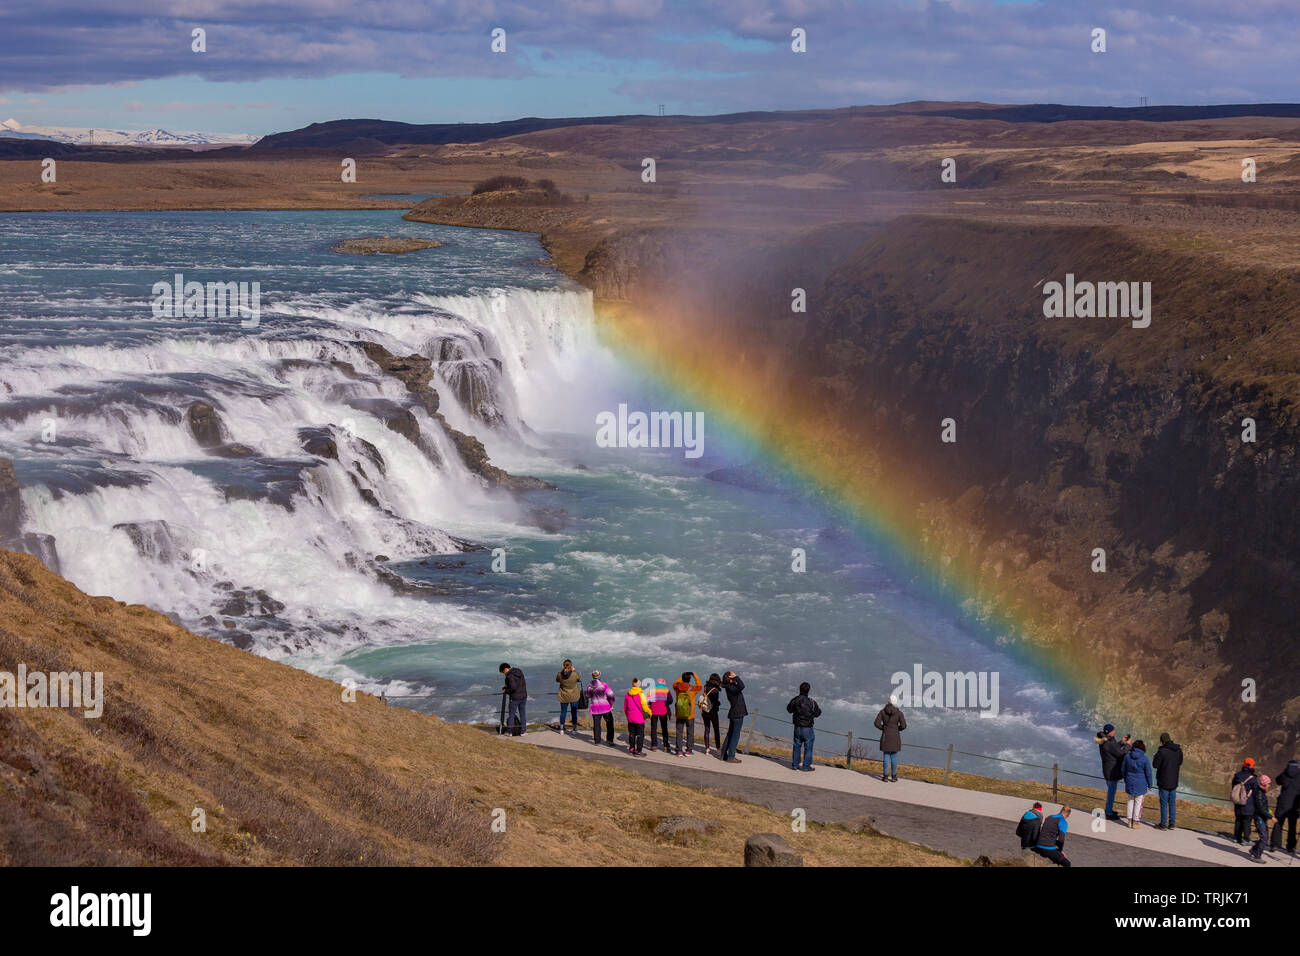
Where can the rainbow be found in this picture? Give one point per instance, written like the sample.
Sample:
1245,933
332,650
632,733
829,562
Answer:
785,429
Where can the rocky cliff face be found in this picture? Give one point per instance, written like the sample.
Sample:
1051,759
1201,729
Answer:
1082,434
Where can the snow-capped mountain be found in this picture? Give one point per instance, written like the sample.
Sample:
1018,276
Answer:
115,137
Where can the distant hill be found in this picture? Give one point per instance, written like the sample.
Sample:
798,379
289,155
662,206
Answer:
377,133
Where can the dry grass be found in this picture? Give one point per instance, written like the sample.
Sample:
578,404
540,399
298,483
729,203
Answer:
290,773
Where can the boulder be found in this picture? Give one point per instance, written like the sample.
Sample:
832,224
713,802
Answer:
769,849
319,442
205,425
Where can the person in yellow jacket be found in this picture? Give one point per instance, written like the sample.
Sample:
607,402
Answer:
636,709
684,692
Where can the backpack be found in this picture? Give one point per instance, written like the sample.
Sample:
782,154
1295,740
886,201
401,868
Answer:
684,705
704,703
1241,794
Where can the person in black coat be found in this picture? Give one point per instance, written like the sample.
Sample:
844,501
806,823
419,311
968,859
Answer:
803,710
1288,805
1245,812
1166,763
516,691
1029,826
1112,764
735,688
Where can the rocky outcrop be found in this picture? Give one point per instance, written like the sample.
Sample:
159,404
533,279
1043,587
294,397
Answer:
11,502
319,442
205,425
387,245
684,831
415,372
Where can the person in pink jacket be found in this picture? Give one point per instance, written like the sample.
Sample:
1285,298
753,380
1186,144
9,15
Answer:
659,695
600,697
636,709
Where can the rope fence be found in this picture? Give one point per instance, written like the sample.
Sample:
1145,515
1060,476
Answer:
854,747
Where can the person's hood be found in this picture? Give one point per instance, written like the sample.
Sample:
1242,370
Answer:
1100,738
1292,770
1171,746
634,690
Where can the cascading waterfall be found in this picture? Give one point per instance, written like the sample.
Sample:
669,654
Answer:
254,485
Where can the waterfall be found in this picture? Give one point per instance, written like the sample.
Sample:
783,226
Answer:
256,485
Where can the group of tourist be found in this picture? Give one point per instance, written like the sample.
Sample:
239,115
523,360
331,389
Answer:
652,700
1125,760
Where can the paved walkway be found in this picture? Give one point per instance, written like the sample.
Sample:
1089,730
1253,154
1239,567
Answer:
972,822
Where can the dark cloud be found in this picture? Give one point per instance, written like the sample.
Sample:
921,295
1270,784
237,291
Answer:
705,55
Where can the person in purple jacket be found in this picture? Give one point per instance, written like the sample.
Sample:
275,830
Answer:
600,697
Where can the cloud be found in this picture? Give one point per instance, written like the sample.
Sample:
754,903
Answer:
707,54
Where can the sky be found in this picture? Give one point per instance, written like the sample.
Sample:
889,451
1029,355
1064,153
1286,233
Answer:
273,65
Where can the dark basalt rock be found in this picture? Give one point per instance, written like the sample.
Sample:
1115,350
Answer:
319,442
11,504
233,450
205,425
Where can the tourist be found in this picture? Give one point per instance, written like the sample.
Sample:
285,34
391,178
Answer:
570,682
803,710
636,710
1261,817
600,697
890,722
684,692
735,688
1168,758
1288,805
658,693
1138,781
1244,783
1051,837
1029,826
710,702
517,693
1112,764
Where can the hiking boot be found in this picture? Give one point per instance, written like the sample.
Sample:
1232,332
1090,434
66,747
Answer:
884,777
893,778
809,769
1161,826
1112,816
1171,825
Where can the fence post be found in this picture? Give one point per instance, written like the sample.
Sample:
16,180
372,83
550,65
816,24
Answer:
848,754
749,739
947,766
1055,771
